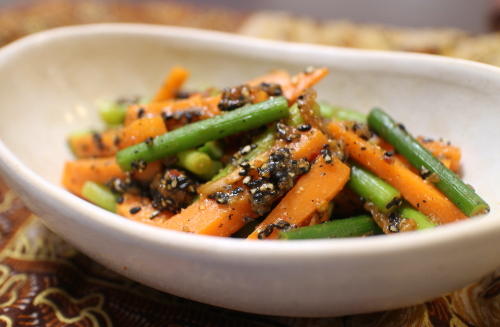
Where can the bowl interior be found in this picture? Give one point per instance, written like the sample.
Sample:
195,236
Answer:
50,91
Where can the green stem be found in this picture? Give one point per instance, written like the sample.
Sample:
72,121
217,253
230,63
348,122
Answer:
195,161
373,189
216,167
213,149
355,226
384,196
295,119
195,134
419,218
462,195
99,195
112,113
341,114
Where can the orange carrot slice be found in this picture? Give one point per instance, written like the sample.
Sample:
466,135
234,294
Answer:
207,217
142,129
172,84
311,194
146,214
443,151
88,145
149,172
279,76
302,81
292,86
207,107
422,195
99,170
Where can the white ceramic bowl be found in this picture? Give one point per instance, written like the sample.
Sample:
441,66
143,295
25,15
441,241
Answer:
48,84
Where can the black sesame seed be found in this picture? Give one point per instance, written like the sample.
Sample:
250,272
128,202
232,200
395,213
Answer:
389,156
96,137
134,210
304,127
140,112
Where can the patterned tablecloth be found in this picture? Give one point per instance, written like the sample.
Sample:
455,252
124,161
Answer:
44,281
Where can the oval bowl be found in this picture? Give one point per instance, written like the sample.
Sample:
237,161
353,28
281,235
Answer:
49,82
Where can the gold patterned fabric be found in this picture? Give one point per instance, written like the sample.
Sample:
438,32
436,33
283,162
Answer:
44,281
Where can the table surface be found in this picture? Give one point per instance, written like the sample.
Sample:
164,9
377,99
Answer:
44,281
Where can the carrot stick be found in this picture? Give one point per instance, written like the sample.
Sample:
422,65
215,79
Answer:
311,194
206,216
292,86
93,144
422,195
302,81
106,144
142,129
207,107
172,84
278,76
149,172
147,214
99,170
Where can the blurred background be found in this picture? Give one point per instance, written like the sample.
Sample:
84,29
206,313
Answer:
470,15
458,28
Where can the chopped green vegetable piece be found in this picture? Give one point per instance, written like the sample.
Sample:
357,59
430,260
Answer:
112,113
295,118
384,196
374,189
213,149
349,227
196,134
462,195
341,114
216,167
99,195
419,218
195,161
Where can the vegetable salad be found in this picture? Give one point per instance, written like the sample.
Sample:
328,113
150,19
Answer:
265,160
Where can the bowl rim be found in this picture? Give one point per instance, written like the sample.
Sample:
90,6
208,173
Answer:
225,246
